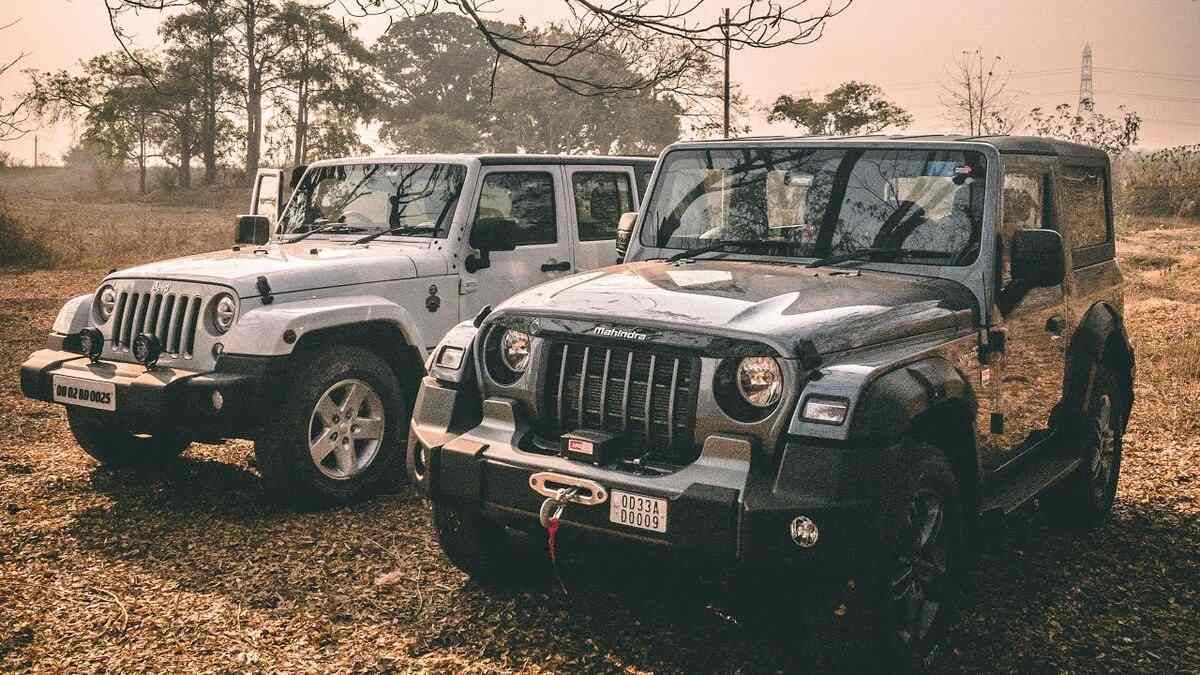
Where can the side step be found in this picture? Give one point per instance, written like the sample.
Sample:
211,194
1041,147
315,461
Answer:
1026,485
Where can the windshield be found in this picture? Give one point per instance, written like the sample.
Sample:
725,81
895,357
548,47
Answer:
819,202
412,199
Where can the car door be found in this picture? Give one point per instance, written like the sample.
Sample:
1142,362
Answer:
1031,368
532,197
598,195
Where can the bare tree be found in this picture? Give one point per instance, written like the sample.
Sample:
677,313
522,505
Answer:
13,116
976,96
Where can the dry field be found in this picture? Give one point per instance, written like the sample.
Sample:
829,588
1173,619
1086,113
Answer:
190,569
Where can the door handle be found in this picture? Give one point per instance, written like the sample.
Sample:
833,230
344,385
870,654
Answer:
551,266
1056,325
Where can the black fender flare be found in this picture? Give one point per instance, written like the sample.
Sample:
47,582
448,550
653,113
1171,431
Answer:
1100,338
930,397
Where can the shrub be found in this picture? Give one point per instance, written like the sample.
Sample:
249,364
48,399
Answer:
17,248
1160,183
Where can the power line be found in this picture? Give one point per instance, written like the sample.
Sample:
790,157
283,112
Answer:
1150,73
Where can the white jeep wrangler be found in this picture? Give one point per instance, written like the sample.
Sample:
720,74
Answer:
310,336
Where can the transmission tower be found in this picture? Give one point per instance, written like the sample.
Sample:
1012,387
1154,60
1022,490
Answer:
1087,95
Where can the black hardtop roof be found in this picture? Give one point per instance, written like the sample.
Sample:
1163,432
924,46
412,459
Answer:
520,158
1027,145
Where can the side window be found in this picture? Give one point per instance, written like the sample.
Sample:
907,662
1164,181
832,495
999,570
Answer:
526,198
600,199
1024,209
1083,206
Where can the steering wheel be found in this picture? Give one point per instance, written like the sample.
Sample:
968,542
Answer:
362,220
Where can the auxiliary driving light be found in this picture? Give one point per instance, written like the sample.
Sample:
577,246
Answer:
91,343
147,349
804,532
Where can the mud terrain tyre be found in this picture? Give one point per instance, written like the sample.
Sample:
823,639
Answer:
1085,499
919,585
477,546
99,436
339,432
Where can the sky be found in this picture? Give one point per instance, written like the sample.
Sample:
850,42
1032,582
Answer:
1146,54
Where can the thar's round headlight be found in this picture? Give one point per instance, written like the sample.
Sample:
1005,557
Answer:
106,302
224,312
760,381
514,349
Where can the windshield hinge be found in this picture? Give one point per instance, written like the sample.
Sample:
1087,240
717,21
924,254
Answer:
467,286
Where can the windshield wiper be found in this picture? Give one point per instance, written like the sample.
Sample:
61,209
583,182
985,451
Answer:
401,229
868,253
730,243
346,229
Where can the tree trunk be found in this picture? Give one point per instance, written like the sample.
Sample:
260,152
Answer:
253,94
142,157
301,125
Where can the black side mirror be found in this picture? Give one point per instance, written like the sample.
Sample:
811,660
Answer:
1037,258
487,235
297,174
624,233
253,230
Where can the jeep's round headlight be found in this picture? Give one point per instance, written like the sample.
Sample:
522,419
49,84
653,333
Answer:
224,311
760,381
106,302
514,349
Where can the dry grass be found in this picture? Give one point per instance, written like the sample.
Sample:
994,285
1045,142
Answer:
82,228
188,568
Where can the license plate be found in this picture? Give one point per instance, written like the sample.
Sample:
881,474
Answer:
86,393
640,511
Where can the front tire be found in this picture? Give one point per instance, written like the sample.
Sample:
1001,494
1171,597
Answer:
477,546
99,436
919,585
338,435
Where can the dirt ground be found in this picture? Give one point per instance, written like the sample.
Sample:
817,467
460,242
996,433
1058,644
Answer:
189,568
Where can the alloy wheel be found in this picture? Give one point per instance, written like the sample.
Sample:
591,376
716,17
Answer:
1105,451
918,582
346,429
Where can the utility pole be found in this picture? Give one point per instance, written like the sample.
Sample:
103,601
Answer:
725,30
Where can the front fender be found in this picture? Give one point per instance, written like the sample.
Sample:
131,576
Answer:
261,330
75,315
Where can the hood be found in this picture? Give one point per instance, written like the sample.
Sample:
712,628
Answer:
781,304
301,266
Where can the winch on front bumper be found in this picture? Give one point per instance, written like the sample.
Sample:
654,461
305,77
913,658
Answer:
815,508
227,402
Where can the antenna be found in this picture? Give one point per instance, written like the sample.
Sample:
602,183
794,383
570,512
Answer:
1087,94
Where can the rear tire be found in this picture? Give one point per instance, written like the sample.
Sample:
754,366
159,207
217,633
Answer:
100,436
1085,499
477,546
339,434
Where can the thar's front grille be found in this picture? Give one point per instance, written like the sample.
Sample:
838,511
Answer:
647,398
172,317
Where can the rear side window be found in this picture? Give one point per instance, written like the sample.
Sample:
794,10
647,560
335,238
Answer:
526,198
1025,202
1083,206
600,199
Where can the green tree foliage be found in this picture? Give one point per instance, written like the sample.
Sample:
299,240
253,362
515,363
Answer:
323,80
850,109
1113,135
437,95
200,42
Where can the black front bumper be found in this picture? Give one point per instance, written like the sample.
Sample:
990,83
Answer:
744,522
167,398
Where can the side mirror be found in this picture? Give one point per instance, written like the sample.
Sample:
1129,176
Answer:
254,230
487,235
1037,258
297,174
624,233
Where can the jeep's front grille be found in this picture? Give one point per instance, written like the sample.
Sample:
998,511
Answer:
646,398
173,318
